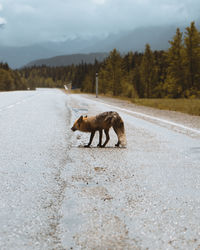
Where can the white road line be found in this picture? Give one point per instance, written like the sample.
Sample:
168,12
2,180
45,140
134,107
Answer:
17,103
157,119
151,117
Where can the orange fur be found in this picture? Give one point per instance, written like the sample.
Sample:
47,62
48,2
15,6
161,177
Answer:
103,121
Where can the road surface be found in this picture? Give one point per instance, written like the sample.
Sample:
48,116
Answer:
56,194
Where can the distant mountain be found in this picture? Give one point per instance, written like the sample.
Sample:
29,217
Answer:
72,46
134,40
69,60
16,57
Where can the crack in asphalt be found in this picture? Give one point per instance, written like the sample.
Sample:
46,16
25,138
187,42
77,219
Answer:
58,193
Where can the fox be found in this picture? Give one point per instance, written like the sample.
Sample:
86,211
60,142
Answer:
103,121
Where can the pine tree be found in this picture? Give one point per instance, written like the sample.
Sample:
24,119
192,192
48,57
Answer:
127,62
111,73
192,58
6,80
147,72
175,81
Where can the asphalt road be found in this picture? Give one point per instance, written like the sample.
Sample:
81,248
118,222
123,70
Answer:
56,194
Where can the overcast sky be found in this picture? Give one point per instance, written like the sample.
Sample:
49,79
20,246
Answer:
24,22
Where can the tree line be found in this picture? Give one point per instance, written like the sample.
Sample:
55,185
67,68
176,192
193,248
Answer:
10,79
174,73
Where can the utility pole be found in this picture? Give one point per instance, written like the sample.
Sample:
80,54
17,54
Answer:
96,85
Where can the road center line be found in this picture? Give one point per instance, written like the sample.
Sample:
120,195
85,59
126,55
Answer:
18,102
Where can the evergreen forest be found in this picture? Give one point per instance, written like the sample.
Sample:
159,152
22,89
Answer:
174,73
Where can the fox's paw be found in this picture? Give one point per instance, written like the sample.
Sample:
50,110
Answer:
86,146
99,145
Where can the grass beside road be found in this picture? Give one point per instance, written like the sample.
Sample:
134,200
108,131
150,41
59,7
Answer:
189,106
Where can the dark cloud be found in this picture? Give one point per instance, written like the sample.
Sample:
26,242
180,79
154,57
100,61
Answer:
2,25
31,21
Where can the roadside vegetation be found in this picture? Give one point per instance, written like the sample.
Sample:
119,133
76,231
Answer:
161,79
10,79
189,106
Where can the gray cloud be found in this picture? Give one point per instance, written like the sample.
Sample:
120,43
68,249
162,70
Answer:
32,21
2,23
2,20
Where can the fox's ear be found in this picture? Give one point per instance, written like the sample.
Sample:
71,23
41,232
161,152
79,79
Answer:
85,116
80,119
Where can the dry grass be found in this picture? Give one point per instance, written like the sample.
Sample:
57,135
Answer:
76,91
189,106
72,91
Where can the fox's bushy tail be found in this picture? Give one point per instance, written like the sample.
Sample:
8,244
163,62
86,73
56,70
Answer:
118,126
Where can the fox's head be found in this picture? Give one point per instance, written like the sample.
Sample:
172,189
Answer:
78,123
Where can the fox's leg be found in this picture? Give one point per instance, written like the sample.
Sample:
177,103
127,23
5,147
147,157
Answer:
91,138
107,137
100,138
117,145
